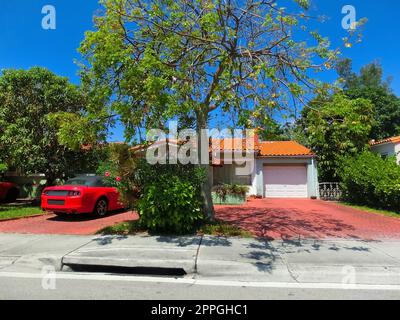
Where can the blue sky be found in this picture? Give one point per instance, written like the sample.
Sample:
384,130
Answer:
25,44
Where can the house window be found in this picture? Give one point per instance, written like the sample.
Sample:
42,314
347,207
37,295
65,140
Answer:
221,175
226,174
242,180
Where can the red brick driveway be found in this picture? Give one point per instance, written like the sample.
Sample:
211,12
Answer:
76,225
312,219
268,218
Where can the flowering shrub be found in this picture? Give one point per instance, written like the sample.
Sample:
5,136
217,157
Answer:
119,171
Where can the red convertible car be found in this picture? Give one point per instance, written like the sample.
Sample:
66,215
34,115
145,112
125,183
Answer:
84,194
9,192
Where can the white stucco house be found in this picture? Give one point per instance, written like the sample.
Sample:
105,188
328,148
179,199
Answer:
388,147
282,169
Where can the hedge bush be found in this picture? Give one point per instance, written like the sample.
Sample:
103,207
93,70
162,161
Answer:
171,198
371,180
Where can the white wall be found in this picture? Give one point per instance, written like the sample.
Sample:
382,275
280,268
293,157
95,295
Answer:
312,174
397,151
384,149
388,149
257,186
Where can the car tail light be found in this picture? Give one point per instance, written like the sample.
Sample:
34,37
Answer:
74,193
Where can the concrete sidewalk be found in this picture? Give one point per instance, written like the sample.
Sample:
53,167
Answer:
303,261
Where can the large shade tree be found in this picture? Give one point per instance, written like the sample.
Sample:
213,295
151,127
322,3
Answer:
150,61
370,84
336,127
28,137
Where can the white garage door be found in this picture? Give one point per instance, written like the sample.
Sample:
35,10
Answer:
285,182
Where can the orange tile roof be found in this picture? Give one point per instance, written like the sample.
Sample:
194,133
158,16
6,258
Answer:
265,149
262,149
388,140
283,149
234,144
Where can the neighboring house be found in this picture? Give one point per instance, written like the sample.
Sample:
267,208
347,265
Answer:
388,147
282,169
30,185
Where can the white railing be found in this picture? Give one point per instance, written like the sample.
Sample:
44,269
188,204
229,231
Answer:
330,191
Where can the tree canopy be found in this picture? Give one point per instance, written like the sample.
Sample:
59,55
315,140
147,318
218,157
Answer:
337,127
157,59
150,61
369,84
28,139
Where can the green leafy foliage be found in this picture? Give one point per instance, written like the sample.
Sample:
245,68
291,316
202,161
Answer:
386,110
28,140
369,84
304,3
3,167
170,204
119,170
337,127
368,179
170,190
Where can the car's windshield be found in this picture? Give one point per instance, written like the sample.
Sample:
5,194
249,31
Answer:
85,181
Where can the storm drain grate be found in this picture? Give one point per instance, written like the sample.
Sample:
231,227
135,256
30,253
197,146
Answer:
127,270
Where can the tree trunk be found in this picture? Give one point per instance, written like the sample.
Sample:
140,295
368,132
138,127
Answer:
50,179
208,206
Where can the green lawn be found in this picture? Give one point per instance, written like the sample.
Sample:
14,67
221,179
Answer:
387,213
18,211
218,228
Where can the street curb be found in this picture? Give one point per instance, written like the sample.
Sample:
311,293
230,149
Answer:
135,253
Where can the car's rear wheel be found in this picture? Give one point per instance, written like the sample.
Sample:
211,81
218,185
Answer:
12,195
101,208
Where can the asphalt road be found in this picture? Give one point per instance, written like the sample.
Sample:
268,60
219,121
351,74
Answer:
230,268
100,287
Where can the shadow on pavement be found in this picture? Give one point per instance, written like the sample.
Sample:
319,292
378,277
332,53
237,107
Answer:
288,223
270,251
